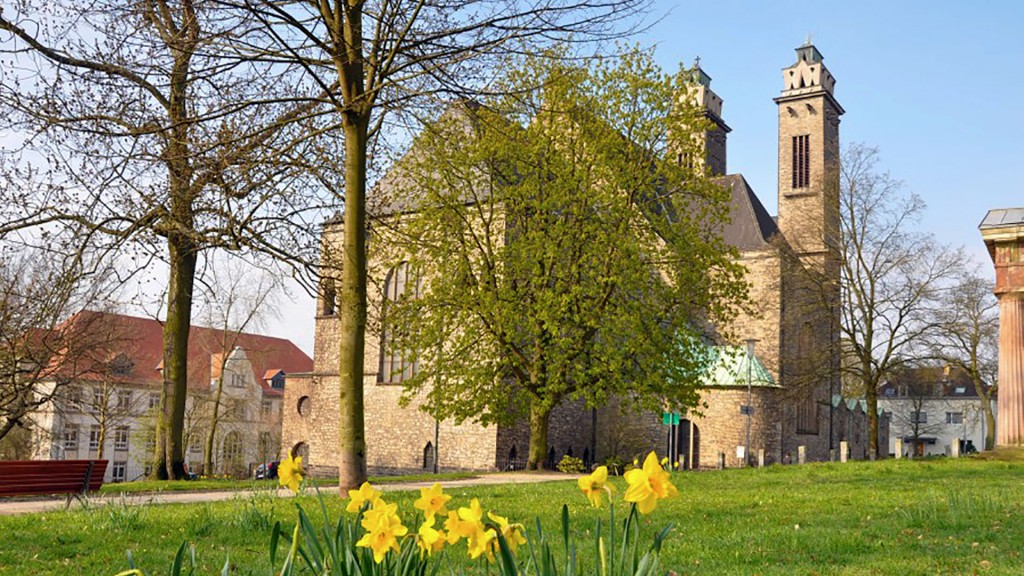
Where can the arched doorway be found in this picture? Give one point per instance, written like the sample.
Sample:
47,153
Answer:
302,449
688,453
428,456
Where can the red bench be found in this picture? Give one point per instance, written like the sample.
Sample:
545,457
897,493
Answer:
32,477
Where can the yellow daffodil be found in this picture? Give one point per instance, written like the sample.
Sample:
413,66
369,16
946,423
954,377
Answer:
383,529
451,527
290,473
480,544
471,519
428,539
594,484
512,533
648,484
664,461
432,501
364,494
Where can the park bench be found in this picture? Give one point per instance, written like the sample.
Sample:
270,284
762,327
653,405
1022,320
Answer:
37,477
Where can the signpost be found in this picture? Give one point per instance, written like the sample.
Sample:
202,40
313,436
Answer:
671,419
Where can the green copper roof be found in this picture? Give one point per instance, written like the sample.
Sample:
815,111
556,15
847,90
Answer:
728,366
853,403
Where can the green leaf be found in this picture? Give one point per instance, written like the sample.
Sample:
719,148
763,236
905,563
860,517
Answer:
275,535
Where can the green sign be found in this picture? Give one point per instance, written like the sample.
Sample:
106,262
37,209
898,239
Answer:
668,418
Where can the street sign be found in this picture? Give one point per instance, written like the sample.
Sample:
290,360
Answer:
670,418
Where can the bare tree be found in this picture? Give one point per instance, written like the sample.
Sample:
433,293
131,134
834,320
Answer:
236,298
385,56
41,349
967,337
892,277
151,130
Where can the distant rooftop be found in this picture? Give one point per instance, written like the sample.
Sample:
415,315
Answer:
1002,217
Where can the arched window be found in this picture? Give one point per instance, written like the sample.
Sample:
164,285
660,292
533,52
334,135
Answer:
231,455
395,359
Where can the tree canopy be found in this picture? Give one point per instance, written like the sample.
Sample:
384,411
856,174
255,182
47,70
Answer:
559,247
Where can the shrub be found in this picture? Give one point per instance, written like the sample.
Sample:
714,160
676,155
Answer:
570,465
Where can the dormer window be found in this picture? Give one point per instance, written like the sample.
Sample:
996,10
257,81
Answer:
121,365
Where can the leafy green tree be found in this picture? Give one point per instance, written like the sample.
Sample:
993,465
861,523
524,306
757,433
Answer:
559,249
382,63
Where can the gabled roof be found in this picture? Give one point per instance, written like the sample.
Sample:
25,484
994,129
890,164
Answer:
751,226
929,381
140,340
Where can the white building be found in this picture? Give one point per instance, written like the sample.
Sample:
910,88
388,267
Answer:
110,411
932,409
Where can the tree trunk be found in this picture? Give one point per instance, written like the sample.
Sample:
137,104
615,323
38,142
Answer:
211,437
871,395
990,423
176,334
352,309
540,415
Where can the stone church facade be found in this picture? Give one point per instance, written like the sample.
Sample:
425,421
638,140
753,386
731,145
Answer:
793,274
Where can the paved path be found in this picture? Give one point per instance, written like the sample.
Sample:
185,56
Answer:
8,508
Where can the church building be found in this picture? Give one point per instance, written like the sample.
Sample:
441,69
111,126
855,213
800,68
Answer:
779,404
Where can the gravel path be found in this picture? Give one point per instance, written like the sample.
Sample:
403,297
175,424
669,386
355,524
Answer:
30,506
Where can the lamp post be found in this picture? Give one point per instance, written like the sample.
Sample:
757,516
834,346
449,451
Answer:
750,395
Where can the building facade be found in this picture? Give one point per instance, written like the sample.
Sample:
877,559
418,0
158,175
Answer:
931,409
793,275
110,412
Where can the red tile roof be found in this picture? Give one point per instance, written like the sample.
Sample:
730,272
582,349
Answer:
141,341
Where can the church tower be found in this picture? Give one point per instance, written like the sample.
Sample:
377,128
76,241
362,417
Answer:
713,140
809,219
809,155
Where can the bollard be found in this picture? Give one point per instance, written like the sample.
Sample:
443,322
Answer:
801,454
954,449
760,458
721,460
899,448
844,451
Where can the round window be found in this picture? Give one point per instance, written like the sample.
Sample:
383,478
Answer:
304,406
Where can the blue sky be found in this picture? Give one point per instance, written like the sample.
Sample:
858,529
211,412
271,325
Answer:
936,86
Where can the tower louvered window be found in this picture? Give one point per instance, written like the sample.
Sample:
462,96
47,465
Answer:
801,161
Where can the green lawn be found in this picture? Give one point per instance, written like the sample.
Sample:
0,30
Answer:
894,517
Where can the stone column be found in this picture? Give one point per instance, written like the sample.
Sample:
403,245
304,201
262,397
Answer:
1010,418
1003,233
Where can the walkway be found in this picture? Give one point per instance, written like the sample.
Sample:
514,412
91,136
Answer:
8,508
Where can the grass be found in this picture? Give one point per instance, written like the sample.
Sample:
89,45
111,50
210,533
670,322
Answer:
894,517
218,485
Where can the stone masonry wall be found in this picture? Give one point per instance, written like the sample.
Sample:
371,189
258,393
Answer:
722,427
